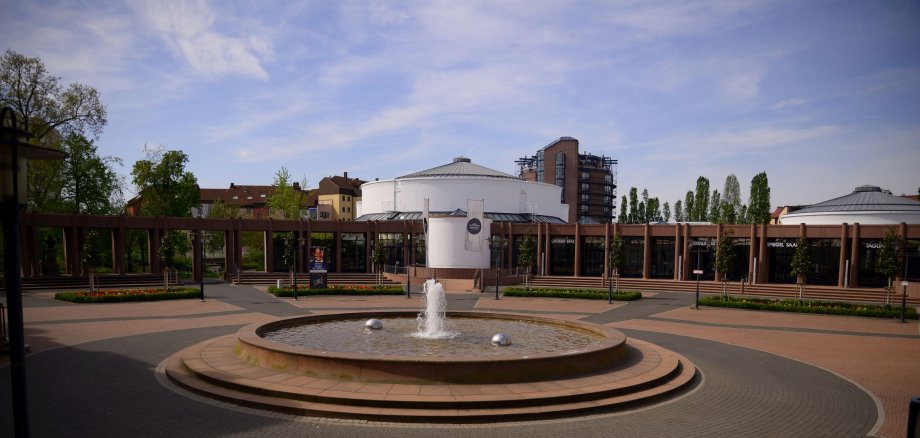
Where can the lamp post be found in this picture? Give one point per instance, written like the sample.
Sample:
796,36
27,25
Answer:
300,241
496,241
14,151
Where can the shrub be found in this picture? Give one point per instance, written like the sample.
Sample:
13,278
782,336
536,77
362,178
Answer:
287,291
589,294
125,295
820,307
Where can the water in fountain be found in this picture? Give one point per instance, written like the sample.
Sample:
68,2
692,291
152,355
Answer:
431,320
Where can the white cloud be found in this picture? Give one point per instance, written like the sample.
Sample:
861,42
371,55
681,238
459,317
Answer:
190,29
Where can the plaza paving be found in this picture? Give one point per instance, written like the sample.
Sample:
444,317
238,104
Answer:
93,369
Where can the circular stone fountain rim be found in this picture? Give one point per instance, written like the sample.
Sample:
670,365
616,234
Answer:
252,334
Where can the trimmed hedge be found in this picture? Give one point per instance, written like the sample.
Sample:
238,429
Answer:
126,295
589,294
819,307
287,291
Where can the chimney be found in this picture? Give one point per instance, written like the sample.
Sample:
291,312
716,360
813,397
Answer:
346,176
296,186
232,186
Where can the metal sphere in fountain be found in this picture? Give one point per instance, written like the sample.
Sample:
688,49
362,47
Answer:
501,340
373,324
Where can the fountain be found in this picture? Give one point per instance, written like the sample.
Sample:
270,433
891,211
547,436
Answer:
431,320
432,366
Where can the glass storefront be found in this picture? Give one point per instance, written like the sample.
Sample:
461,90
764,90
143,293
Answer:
592,256
869,251
912,260
393,247
825,256
702,257
779,255
662,258
635,255
740,263
354,252
562,251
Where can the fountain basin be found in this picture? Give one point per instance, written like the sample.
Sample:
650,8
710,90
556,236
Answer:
606,352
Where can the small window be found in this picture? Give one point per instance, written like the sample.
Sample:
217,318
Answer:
343,198
236,197
262,195
249,197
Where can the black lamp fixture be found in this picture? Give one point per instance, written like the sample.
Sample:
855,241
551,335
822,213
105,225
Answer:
15,152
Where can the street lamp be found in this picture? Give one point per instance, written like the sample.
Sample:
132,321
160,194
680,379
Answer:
500,243
14,151
300,241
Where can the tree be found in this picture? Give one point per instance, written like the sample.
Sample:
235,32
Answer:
49,112
633,206
725,256
167,254
285,199
527,253
890,262
701,200
378,258
667,211
617,257
45,106
289,255
89,182
731,200
624,215
653,211
758,211
715,208
743,215
165,187
645,210
688,206
800,265
90,257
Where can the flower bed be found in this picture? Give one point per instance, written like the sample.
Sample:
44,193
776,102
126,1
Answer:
589,294
120,296
822,307
286,291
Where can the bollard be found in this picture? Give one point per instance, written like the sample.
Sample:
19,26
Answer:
913,418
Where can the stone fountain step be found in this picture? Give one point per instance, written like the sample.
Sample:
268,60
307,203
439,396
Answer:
212,369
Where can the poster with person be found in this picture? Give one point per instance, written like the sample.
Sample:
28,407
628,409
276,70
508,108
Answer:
318,259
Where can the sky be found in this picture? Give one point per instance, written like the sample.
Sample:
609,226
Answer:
823,96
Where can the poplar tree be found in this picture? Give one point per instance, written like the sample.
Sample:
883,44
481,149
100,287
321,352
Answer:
678,211
633,206
731,200
758,211
667,211
701,200
715,208
623,216
688,206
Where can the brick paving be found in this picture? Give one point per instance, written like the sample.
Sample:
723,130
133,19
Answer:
91,370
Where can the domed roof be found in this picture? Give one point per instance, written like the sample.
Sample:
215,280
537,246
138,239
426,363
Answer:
461,166
863,198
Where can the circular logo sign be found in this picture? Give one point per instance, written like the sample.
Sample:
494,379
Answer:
474,226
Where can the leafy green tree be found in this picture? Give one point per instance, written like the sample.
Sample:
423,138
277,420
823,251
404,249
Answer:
44,104
617,258
633,206
758,211
623,217
91,257
49,111
701,200
90,183
285,199
725,256
688,206
379,258
890,262
800,265
731,200
167,254
165,187
743,215
666,211
679,211
653,210
527,253
715,207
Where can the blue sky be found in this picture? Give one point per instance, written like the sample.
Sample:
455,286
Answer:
822,95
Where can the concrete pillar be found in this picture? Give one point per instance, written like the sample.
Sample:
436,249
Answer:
269,245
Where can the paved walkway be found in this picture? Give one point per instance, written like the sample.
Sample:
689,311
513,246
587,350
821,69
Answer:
92,369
